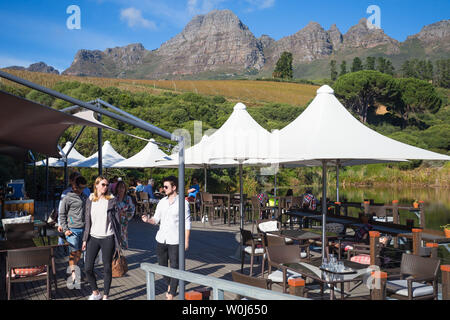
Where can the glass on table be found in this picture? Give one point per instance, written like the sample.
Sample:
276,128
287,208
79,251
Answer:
325,263
340,266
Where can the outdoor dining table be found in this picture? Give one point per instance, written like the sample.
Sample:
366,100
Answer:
302,235
312,269
6,245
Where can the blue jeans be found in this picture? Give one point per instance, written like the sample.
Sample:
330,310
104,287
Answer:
75,240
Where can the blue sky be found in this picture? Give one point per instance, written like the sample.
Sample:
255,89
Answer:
32,31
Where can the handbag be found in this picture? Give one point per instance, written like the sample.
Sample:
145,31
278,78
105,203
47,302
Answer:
119,265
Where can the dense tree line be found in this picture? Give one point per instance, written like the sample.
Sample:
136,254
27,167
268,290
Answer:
438,73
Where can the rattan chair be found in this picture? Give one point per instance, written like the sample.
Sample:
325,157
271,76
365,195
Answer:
207,208
418,279
17,231
22,258
253,247
251,281
276,257
259,210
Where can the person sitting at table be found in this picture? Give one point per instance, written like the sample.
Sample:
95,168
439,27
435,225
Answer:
72,221
309,201
193,190
139,186
149,189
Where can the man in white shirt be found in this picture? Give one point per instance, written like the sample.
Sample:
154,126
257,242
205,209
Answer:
167,238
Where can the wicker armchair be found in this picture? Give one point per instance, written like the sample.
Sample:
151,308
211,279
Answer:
276,257
253,247
16,231
251,281
418,279
258,210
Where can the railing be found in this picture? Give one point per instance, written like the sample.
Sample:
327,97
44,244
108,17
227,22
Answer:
219,286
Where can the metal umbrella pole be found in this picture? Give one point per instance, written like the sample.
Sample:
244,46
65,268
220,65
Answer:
338,163
46,188
100,142
181,218
206,176
324,205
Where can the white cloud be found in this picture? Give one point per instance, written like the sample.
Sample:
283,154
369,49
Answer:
261,4
134,18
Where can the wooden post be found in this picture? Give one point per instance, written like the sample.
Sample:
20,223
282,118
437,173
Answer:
378,291
417,241
297,287
193,295
422,214
374,240
434,249
337,208
366,207
395,219
445,270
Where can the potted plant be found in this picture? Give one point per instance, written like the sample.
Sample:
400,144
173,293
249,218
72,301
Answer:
446,230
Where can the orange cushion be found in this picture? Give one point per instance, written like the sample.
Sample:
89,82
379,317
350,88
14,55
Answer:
362,259
29,271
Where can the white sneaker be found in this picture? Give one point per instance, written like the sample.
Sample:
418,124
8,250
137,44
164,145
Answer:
95,297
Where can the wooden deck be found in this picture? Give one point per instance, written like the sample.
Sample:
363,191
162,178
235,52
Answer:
211,253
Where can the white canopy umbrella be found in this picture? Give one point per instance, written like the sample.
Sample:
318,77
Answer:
109,157
146,158
327,134
73,157
239,141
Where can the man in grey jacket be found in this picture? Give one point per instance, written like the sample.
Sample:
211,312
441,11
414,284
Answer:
71,217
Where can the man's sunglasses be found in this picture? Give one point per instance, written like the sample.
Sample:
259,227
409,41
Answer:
166,187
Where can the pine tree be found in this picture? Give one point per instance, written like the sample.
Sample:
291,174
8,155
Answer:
357,65
334,73
343,68
370,63
283,68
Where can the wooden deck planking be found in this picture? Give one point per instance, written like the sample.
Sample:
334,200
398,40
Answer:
210,253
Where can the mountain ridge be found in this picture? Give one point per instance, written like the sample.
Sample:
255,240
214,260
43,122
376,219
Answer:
219,44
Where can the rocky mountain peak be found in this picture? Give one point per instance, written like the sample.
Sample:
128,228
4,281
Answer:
127,56
310,43
361,36
37,67
217,40
433,32
335,36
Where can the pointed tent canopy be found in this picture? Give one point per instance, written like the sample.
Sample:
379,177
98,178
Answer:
109,157
144,159
73,157
240,138
89,116
329,132
195,158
